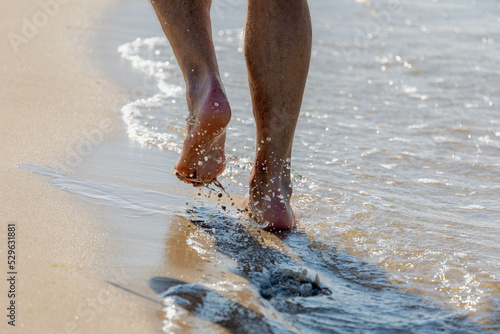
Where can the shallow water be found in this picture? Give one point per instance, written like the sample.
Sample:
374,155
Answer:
396,156
396,174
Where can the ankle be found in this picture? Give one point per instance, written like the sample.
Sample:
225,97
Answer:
199,83
266,173
207,94
274,185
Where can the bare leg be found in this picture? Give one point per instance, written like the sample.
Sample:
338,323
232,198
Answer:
188,29
277,50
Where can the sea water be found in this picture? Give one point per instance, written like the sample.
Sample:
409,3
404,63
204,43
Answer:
396,176
396,158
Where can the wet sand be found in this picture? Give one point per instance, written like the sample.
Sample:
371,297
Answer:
55,108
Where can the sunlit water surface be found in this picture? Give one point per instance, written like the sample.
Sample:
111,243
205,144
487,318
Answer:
396,167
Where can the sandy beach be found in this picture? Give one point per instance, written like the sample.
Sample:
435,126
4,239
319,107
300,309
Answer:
53,102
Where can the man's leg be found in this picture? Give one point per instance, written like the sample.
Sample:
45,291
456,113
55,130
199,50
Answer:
277,50
188,29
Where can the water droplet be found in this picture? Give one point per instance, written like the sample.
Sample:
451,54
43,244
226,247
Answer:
216,104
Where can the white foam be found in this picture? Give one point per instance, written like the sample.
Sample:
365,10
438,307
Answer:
153,120
428,181
472,207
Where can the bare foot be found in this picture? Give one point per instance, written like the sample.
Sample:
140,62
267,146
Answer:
269,200
202,158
